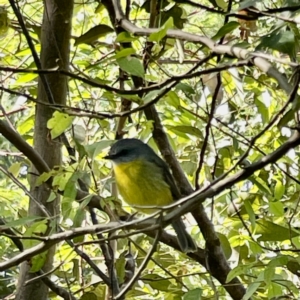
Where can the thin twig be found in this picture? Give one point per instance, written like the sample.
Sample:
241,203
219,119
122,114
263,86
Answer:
142,266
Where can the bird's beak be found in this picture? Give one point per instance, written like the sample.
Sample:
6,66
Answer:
107,157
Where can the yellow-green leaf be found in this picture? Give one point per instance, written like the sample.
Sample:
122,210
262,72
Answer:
131,65
59,123
159,35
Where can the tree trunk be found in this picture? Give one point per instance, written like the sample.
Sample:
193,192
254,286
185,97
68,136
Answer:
55,42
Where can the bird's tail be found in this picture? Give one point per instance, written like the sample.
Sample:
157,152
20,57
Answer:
185,241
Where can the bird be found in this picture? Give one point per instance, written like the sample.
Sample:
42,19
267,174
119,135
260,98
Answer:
143,179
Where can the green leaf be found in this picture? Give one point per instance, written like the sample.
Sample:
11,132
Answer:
175,12
89,296
26,126
44,177
238,270
293,266
282,41
15,169
287,117
35,229
222,4
250,213
125,37
124,52
93,34
157,282
4,21
66,207
225,245
173,99
77,222
59,123
276,208
85,201
100,7
269,273
61,179
70,187
274,290
159,35
186,129
185,88
247,3
21,222
263,110
287,3
193,294
38,261
51,197
252,288
132,66
255,248
25,78
273,232
100,291
279,189
133,98
261,184
151,96
279,261
227,28
94,149
79,134
120,267
39,227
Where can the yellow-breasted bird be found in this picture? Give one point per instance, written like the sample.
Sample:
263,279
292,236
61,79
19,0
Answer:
144,179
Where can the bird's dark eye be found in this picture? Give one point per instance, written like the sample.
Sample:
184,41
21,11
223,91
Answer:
122,152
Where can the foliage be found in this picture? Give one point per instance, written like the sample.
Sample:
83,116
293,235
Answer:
214,133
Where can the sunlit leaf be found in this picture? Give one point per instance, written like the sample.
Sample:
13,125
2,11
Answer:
240,269
38,261
125,36
159,35
279,190
125,52
261,184
276,208
187,130
59,123
251,213
15,169
157,282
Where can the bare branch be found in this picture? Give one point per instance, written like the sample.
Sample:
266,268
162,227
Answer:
234,51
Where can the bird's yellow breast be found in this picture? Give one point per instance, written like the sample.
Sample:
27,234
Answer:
141,183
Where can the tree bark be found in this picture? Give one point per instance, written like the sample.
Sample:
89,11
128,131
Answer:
55,42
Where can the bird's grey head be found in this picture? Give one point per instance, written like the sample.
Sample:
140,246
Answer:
127,150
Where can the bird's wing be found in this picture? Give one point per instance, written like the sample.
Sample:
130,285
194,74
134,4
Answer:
168,177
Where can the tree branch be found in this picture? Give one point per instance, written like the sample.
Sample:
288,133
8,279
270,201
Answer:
234,51
188,204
